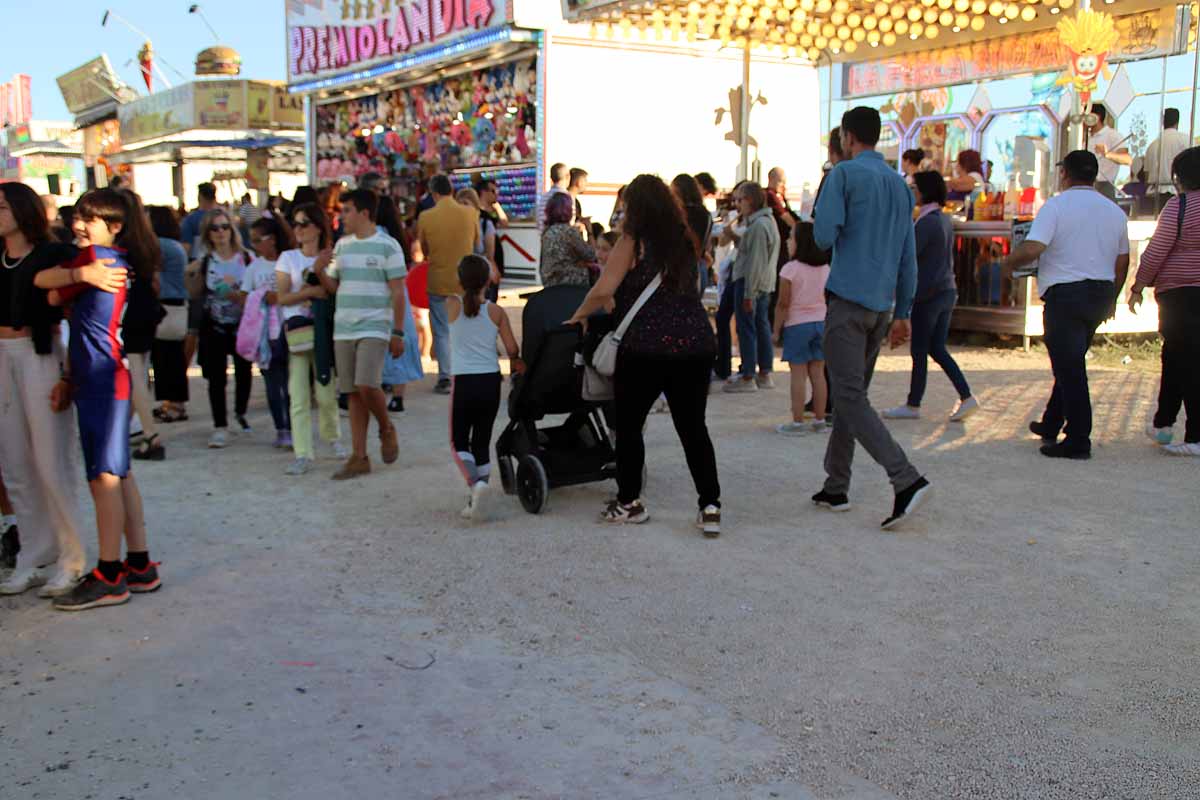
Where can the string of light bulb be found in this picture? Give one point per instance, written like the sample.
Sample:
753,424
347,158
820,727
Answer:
809,28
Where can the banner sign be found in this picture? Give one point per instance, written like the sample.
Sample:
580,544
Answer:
1147,34
91,85
220,104
168,111
16,104
326,37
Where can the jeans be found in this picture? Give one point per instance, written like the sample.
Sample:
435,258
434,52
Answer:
853,336
1071,315
217,344
930,327
439,324
637,384
275,377
723,367
754,332
1179,323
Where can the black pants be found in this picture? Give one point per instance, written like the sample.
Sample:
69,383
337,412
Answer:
170,373
638,383
217,344
1179,323
474,402
1071,315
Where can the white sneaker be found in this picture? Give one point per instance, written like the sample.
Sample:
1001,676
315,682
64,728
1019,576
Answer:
737,385
22,580
219,439
1185,449
820,426
793,428
660,405
765,381
965,409
339,450
468,511
299,467
62,583
902,412
479,499
1160,435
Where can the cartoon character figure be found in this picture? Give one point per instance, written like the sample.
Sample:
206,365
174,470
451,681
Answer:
1090,36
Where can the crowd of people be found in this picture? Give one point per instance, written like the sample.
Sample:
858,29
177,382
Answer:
316,293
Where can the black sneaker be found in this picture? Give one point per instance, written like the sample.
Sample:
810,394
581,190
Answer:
709,521
93,592
245,426
619,513
396,405
907,502
833,502
442,387
146,580
10,545
1039,428
1061,450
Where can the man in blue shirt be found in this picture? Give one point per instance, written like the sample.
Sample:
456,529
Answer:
864,215
189,228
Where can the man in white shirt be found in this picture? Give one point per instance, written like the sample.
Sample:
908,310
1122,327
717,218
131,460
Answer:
1159,157
1081,244
1106,143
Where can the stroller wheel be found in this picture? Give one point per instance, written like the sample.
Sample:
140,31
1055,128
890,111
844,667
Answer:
507,479
532,486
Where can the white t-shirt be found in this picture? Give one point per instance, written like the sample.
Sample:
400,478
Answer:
260,273
1110,139
296,266
1084,232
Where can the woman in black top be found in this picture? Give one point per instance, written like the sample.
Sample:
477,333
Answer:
37,432
934,301
687,191
668,348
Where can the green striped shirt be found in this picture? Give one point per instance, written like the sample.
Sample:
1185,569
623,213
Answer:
363,268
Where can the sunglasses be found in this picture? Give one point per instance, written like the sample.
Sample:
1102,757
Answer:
222,226
301,223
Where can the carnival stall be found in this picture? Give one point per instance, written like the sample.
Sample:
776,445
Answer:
505,91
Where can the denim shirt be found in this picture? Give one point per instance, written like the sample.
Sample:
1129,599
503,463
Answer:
864,215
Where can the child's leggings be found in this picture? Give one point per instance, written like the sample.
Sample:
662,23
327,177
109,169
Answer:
474,402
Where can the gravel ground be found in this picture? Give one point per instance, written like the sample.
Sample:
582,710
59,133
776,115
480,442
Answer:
1032,634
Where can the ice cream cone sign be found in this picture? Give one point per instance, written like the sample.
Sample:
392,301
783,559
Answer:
145,58
1090,36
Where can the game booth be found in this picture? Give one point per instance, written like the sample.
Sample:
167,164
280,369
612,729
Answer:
468,88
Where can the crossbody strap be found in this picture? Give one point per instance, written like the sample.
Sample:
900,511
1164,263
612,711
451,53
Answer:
1182,212
650,289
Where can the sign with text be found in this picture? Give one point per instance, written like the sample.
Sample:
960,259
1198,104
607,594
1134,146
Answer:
92,84
1147,34
159,114
326,37
221,104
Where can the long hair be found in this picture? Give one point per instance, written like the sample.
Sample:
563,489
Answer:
276,229
28,211
165,222
654,218
210,219
387,216
315,215
807,251
473,273
970,161
687,190
123,207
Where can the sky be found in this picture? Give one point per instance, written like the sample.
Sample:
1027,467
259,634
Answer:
46,39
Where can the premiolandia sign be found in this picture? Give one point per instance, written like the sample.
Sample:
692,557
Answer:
326,37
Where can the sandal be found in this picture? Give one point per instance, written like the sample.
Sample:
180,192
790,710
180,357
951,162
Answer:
150,450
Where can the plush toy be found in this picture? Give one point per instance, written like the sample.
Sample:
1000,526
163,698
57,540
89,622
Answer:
1090,36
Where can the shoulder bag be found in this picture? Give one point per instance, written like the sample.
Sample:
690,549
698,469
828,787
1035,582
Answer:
604,360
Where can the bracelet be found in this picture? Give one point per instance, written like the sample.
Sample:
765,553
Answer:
398,333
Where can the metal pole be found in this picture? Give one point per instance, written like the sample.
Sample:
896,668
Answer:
744,169
829,95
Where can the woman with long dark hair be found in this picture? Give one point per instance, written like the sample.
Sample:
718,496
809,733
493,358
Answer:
167,354
110,225
37,439
215,285
687,192
668,348
310,357
270,237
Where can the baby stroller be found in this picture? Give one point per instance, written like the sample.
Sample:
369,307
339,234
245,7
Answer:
533,460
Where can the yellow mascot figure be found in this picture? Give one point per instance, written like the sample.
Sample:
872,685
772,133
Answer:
1090,36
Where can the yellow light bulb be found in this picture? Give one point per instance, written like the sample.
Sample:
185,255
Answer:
790,38
889,39
807,5
996,9
901,26
797,25
931,15
885,24
823,6
945,5
962,21
806,40
1066,3
743,24
914,14
1028,14
916,29
854,19
814,53
858,34
781,15
897,12
843,33
978,23
790,5
1012,11
837,18
932,32
979,6
765,13
850,46
882,9
842,6
873,38
870,23
946,18
820,42
827,30
962,6
814,27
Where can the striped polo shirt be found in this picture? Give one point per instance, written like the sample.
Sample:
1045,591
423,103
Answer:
363,268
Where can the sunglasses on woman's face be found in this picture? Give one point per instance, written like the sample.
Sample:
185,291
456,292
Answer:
301,223
222,226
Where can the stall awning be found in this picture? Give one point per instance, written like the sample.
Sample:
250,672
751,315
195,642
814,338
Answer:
171,150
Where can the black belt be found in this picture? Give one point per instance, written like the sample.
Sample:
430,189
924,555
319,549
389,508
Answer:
172,302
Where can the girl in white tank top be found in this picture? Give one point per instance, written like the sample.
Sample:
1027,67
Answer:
475,397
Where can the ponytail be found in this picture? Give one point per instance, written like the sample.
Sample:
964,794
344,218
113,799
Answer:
473,273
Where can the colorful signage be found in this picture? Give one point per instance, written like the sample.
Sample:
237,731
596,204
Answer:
168,111
220,104
16,103
101,140
326,36
1143,35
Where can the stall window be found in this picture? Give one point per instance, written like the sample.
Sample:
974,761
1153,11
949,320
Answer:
1020,143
